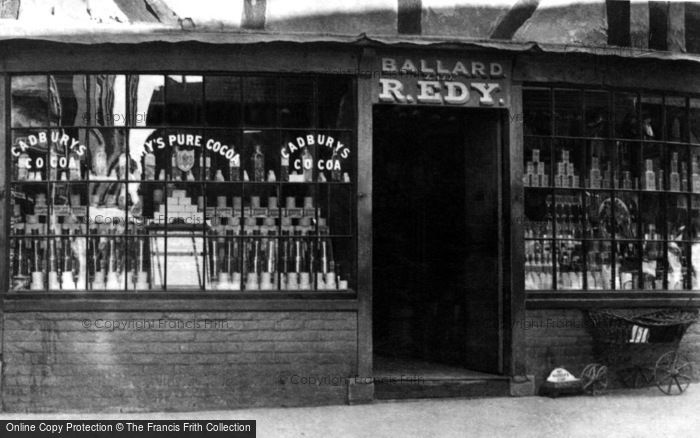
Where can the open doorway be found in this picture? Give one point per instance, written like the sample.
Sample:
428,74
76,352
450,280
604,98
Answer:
436,300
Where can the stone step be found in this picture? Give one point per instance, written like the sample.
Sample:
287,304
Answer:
387,389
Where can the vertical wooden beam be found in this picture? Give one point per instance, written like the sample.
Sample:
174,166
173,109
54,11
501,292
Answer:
692,27
639,25
410,15
503,216
365,84
254,14
618,13
658,25
675,39
4,215
514,213
9,9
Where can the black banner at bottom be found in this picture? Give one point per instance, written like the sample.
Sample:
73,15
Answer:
127,428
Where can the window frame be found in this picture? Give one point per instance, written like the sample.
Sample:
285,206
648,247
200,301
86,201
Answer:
202,292
553,297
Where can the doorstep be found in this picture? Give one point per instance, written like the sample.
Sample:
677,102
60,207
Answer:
411,378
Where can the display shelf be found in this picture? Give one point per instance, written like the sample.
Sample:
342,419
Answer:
261,201
618,189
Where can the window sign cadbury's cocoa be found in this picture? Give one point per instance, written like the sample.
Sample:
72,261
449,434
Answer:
443,81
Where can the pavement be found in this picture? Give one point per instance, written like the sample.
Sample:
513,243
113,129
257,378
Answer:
630,414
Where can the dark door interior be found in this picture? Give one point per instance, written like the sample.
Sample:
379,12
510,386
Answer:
435,236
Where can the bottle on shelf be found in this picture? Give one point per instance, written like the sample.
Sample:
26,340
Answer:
298,274
233,260
336,174
608,177
559,219
286,254
234,167
253,264
627,182
647,129
595,178
113,266
205,166
540,268
268,275
175,173
674,178
94,256
649,175
258,164
54,284
326,268
591,282
141,270
20,269
67,279
38,268
307,159
74,171
301,264
214,259
284,164
695,175
530,281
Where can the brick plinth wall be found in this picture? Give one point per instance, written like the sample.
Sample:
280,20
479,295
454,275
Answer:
52,362
560,337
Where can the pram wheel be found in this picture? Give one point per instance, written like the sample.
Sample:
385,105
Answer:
673,373
594,378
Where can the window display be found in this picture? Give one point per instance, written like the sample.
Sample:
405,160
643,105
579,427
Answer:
149,182
610,196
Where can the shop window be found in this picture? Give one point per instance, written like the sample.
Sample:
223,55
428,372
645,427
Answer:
181,182
612,190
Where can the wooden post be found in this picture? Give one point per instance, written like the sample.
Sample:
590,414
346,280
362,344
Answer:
5,202
364,226
514,210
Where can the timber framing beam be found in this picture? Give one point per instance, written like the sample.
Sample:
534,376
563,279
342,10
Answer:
516,17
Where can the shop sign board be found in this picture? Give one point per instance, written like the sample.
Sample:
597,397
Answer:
461,81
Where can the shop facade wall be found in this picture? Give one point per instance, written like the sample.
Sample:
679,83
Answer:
272,350
60,362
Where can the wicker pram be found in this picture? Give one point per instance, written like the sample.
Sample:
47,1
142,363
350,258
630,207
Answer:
640,347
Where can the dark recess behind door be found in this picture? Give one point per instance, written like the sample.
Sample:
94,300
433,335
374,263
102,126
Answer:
436,236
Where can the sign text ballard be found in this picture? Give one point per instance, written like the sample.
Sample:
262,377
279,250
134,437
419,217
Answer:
436,81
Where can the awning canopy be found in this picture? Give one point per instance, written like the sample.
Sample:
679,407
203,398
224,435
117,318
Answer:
556,26
244,37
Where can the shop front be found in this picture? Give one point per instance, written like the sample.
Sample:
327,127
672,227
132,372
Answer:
210,223
179,237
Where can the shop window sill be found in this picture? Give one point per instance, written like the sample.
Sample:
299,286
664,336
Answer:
186,300
611,298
